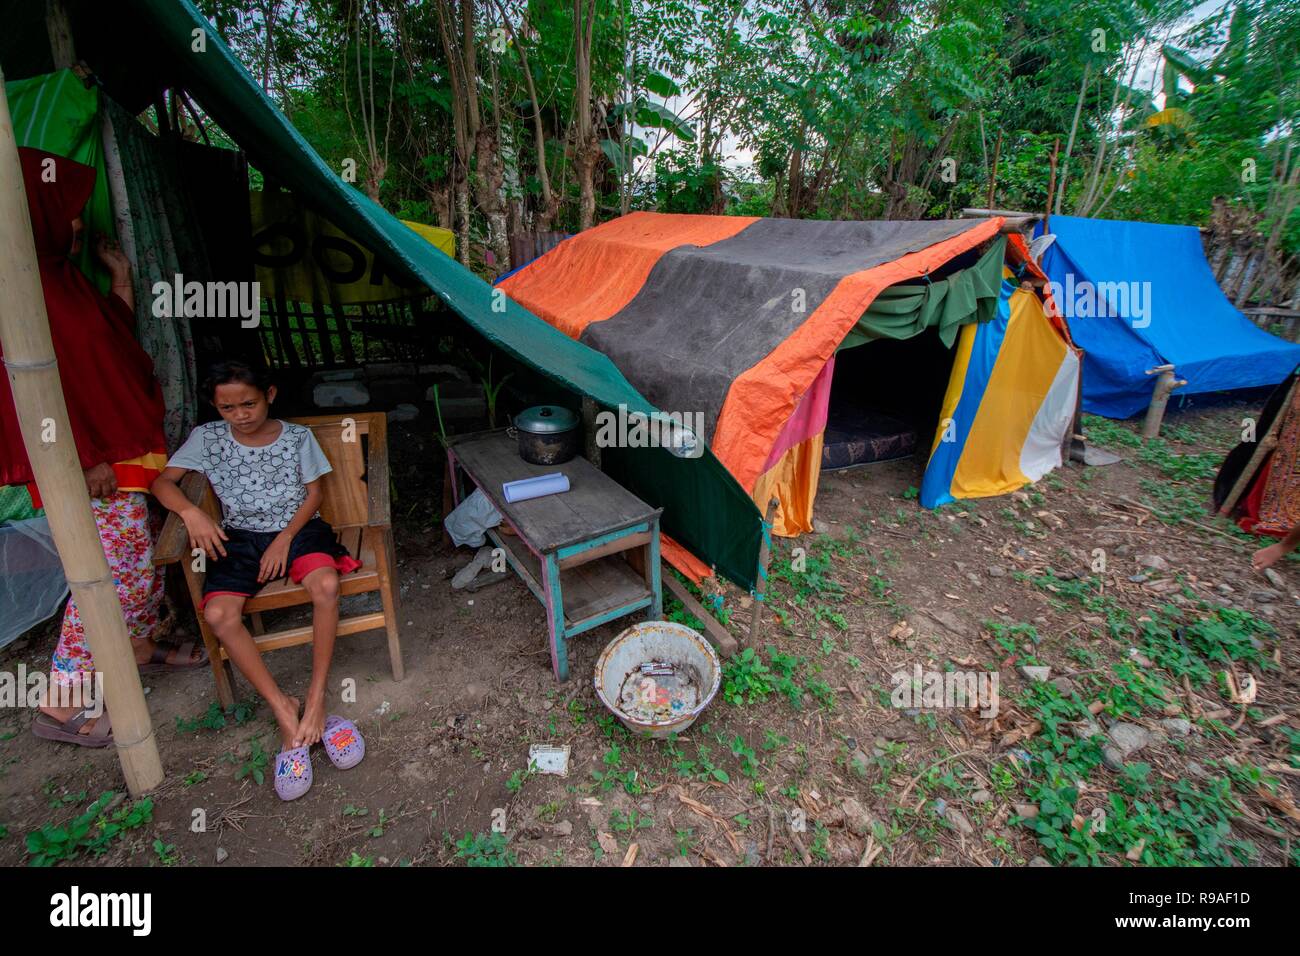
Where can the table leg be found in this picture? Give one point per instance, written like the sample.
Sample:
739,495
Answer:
652,571
453,477
555,616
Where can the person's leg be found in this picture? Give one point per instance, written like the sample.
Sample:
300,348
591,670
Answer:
122,521
72,663
129,549
323,586
225,615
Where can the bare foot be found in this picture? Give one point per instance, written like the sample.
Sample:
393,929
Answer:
286,716
312,726
1267,557
143,651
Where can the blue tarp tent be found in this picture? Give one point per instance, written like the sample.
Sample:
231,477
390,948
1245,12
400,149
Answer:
1138,295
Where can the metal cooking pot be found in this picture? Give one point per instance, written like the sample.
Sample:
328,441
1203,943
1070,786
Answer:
548,434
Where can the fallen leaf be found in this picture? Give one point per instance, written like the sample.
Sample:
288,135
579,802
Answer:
1279,802
901,631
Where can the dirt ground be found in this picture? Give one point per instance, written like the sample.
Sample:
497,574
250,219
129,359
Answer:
810,762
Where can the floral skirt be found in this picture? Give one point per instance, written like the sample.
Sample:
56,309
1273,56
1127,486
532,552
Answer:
123,522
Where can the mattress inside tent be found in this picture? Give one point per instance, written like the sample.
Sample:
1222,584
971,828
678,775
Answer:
860,436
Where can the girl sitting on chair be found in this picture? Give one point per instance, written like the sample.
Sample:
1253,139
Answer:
267,475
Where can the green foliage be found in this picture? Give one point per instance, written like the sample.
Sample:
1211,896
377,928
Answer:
214,718
629,822
745,678
615,774
485,849
93,831
254,765
165,852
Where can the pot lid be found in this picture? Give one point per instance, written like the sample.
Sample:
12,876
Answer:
546,420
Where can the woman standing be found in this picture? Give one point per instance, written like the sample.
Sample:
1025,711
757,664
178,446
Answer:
115,409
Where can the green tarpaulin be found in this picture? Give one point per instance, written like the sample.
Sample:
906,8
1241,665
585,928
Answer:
908,309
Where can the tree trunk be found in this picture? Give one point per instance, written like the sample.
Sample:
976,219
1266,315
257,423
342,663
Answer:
585,148
488,182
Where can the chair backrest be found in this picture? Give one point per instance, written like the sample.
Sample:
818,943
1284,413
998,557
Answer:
346,500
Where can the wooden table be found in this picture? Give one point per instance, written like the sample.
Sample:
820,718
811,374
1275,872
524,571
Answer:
576,551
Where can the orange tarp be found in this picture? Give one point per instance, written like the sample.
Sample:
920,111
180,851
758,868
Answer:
591,281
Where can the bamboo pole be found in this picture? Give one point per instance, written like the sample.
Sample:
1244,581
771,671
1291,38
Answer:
38,399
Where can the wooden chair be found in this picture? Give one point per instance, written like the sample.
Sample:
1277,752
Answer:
355,503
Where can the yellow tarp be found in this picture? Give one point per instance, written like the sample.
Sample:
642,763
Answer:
303,257
792,481
1019,407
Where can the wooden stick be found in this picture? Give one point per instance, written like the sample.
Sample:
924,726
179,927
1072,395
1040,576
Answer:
38,400
762,591
1266,445
59,30
1187,521
716,634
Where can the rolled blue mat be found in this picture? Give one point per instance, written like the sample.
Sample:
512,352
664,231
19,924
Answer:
537,487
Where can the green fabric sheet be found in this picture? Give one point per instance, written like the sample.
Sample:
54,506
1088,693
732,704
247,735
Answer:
58,113
908,309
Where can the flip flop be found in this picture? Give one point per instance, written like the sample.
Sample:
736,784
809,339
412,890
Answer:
68,732
343,742
292,773
158,663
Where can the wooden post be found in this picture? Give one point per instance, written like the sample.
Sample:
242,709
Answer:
1165,384
761,592
59,30
38,399
589,411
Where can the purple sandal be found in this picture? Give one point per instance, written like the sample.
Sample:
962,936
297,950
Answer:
343,742
293,773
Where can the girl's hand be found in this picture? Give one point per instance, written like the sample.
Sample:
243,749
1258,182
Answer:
101,481
204,532
275,560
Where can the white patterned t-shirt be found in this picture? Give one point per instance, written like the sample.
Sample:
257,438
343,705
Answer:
261,488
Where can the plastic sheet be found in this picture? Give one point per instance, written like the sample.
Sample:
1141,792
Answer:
469,519
32,586
538,487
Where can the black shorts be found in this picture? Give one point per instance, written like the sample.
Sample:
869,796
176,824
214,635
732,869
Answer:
314,546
